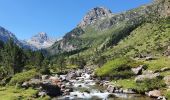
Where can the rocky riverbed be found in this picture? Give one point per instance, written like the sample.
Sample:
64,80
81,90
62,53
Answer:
80,84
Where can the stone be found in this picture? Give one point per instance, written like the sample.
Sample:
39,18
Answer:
137,70
111,89
165,69
149,58
161,98
44,77
71,75
147,72
78,73
42,94
51,90
146,76
63,86
167,80
87,91
154,93
128,91
25,85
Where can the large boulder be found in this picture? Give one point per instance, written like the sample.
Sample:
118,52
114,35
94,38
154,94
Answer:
167,80
154,93
51,90
146,76
138,70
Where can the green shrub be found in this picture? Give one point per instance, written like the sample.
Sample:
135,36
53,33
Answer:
167,95
11,93
117,68
24,76
149,84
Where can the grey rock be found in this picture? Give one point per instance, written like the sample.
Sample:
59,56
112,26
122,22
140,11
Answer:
167,80
128,91
137,70
165,69
42,94
111,89
161,98
146,76
154,93
44,77
25,85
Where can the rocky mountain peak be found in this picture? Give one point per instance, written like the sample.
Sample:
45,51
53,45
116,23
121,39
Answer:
93,15
42,36
41,40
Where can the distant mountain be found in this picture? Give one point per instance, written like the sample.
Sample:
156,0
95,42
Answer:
40,41
100,29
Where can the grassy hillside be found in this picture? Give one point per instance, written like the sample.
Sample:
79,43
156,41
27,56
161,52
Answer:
149,38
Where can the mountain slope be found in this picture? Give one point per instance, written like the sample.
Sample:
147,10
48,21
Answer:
6,35
101,29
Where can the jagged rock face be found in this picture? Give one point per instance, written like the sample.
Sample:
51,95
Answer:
40,41
166,8
93,15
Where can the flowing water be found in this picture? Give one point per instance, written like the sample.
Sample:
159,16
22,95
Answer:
85,89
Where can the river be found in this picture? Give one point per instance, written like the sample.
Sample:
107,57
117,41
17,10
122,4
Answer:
84,88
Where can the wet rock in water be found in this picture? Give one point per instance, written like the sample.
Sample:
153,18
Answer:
138,70
71,75
167,80
87,91
110,89
154,93
140,78
51,90
78,73
62,86
128,91
121,90
161,98
111,96
106,83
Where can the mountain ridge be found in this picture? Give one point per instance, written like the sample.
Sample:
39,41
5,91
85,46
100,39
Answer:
95,25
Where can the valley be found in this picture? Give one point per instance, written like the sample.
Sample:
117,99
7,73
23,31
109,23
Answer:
107,56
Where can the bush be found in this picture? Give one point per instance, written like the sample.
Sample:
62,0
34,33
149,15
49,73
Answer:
117,68
167,95
22,77
149,84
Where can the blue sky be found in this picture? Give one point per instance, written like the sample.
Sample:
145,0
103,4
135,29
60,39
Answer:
25,18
